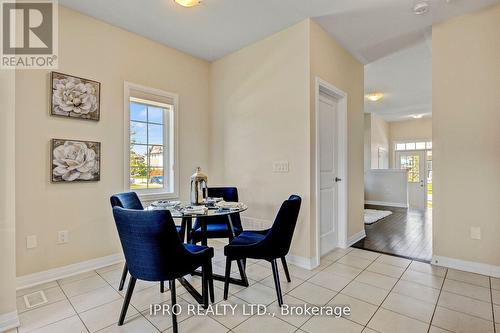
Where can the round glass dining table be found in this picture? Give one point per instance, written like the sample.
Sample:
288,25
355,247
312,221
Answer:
186,217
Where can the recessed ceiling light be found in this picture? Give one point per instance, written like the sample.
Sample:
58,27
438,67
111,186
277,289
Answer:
375,97
417,116
188,3
421,7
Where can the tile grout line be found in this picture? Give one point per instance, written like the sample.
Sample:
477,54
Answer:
437,301
57,321
121,297
71,304
380,305
338,293
492,307
287,293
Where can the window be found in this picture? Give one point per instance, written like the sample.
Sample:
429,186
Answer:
400,146
420,145
151,128
413,146
411,163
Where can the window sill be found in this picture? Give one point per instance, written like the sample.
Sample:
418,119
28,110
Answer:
144,196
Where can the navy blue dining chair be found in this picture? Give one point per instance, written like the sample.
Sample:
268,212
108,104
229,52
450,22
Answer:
217,226
130,200
268,244
154,252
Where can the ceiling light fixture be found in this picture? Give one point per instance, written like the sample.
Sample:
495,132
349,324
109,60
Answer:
421,7
417,116
188,3
375,96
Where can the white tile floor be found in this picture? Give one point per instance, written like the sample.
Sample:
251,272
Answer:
386,294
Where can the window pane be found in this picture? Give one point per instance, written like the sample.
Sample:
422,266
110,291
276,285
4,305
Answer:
155,115
410,146
155,156
138,178
155,178
420,145
411,163
138,111
155,134
138,132
400,146
138,154
429,145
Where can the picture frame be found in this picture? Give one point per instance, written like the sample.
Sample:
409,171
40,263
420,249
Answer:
75,161
74,97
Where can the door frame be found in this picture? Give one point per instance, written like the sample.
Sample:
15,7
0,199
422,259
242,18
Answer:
342,161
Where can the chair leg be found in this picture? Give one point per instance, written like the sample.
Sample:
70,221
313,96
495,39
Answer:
285,267
162,286
204,285
276,277
226,278
174,302
124,277
126,301
243,274
211,282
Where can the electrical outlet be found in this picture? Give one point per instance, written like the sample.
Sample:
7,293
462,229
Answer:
62,237
31,242
281,166
475,233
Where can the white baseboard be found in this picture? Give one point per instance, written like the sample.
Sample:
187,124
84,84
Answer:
8,321
384,203
53,274
468,266
356,237
302,262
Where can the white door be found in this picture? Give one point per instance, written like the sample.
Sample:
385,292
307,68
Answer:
327,126
414,162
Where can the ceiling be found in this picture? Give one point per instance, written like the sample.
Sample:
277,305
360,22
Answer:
369,29
405,78
385,34
396,46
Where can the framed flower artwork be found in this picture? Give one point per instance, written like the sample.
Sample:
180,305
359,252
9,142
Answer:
74,97
75,161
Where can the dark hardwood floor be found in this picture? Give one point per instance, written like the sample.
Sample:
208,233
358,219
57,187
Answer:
406,233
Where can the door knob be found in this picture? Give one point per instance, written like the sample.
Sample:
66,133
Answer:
337,179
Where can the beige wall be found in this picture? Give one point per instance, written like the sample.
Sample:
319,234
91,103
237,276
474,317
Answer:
411,130
262,101
408,131
332,63
93,49
466,136
379,140
260,115
7,194
367,143
250,108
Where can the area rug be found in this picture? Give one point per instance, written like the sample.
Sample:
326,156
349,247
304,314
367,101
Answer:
373,215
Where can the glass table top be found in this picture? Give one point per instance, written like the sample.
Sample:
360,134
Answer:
186,210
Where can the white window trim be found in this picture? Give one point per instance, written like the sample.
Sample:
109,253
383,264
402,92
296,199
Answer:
173,138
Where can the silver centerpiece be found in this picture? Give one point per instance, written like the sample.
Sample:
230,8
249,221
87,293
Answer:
199,186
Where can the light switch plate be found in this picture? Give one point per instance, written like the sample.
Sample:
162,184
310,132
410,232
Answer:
475,233
62,237
31,242
281,166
